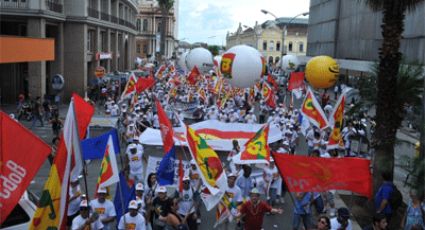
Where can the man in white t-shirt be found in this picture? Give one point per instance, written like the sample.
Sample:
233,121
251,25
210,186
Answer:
74,200
342,220
134,162
233,191
105,208
84,220
132,219
186,207
140,199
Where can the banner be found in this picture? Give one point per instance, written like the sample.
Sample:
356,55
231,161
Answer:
315,174
22,154
219,135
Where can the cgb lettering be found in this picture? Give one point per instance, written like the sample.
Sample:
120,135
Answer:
10,182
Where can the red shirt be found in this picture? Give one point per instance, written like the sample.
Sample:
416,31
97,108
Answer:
254,214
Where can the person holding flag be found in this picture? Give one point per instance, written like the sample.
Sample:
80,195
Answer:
105,208
74,201
186,206
85,220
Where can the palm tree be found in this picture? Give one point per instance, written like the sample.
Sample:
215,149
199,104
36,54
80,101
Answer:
388,111
165,6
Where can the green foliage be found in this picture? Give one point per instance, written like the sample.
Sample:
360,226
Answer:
377,5
214,49
166,4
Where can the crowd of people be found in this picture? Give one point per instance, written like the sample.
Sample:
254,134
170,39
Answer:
155,208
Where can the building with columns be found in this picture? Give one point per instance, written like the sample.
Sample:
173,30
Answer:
148,27
267,37
87,34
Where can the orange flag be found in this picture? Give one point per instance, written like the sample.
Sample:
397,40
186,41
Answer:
313,111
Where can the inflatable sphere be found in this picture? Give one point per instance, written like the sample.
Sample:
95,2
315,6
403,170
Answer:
322,72
201,58
182,61
242,65
289,62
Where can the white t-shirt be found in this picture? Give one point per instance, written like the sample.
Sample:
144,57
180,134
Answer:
186,202
105,210
137,223
79,221
74,205
272,175
235,193
135,163
335,224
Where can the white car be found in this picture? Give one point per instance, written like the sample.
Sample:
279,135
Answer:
21,215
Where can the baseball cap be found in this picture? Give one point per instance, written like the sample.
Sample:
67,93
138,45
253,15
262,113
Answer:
186,178
231,175
84,204
101,190
255,191
193,162
139,187
132,204
161,189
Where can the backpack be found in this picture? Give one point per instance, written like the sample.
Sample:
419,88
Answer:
396,199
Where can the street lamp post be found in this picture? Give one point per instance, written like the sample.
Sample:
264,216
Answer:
285,26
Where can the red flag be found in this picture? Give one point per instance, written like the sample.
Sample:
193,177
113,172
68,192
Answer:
130,86
296,80
272,81
22,154
144,83
315,174
335,121
268,95
193,76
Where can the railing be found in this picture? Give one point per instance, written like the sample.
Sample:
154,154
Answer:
54,6
14,5
122,22
104,16
114,19
93,12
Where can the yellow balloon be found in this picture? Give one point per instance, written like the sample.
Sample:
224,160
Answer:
322,72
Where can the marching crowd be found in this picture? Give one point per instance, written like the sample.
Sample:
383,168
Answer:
155,208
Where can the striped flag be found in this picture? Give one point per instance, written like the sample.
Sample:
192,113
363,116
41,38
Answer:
109,173
51,210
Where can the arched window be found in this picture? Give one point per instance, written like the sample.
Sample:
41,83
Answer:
265,45
271,45
277,46
290,47
301,47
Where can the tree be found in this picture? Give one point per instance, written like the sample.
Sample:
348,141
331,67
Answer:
214,49
388,112
165,6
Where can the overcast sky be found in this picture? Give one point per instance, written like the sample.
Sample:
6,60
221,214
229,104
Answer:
209,20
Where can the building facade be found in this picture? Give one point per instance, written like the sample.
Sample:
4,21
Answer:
87,34
149,19
351,32
267,38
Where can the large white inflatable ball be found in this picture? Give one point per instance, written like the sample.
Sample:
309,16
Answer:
242,66
289,62
181,62
201,58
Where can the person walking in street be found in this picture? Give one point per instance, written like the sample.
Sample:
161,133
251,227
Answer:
415,213
36,113
379,222
85,220
105,208
252,212
302,210
56,125
186,205
383,195
132,219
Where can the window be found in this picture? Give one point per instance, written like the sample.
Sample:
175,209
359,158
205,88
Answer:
138,24
145,25
277,46
104,44
158,29
265,45
290,47
271,45
138,48
145,49
301,47
91,44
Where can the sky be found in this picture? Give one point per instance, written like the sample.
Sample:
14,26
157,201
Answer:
209,20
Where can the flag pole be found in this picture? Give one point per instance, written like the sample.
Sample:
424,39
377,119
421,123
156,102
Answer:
79,144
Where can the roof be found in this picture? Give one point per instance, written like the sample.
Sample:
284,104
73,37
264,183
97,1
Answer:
284,20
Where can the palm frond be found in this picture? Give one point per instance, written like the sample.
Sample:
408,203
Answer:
377,5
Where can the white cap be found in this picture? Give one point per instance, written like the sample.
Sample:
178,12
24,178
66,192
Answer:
285,143
231,175
139,187
132,146
255,191
84,204
193,162
132,204
101,190
186,178
161,189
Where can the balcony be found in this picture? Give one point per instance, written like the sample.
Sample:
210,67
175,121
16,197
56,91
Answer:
122,22
94,13
104,16
14,4
54,6
114,19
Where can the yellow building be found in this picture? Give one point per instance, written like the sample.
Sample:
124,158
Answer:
267,38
